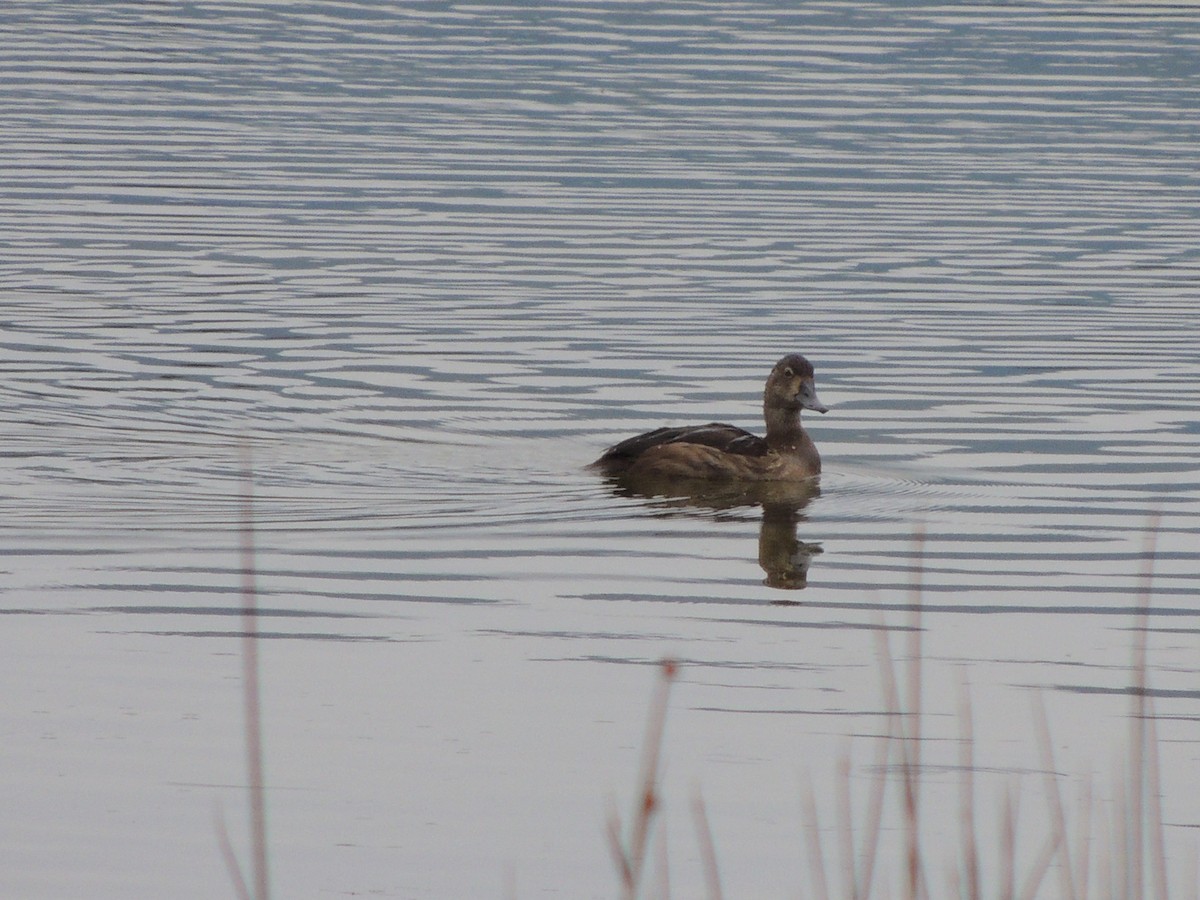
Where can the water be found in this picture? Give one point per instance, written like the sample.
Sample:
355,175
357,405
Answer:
427,262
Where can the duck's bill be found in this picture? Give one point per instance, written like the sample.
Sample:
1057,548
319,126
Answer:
809,400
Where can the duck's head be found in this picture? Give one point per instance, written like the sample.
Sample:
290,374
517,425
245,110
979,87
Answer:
791,385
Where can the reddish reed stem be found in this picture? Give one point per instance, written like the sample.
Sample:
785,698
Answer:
250,687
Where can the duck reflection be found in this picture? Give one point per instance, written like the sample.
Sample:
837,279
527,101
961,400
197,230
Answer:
783,556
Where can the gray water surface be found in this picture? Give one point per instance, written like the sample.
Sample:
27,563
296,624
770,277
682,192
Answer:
424,262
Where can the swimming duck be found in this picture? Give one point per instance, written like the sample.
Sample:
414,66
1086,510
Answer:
719,451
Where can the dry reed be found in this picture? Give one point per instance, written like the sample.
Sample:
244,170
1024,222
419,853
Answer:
252,709
1120,860
630,852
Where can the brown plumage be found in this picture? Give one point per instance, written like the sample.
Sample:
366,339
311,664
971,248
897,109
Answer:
719,451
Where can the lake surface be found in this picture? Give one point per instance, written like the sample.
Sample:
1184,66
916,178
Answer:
424,262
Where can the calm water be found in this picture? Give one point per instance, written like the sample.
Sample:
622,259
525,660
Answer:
426,261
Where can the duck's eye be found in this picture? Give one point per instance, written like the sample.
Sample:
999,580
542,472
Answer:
788,373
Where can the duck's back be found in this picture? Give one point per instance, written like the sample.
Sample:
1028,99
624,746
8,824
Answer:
715,435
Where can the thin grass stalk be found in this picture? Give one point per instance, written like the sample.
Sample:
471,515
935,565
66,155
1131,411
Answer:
1122,887
250,688
1105,865
916,888
966,761
846,827
1083,840
612,831
1137,764
230,859
887,676
1058,824
1157,844
664,864
1041,865
1008,845
631,857
889,747
1149,776
874,814
1137,721
816,852
708,850
910,746
894,744
955,877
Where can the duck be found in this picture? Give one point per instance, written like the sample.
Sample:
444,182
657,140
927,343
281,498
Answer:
718,451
